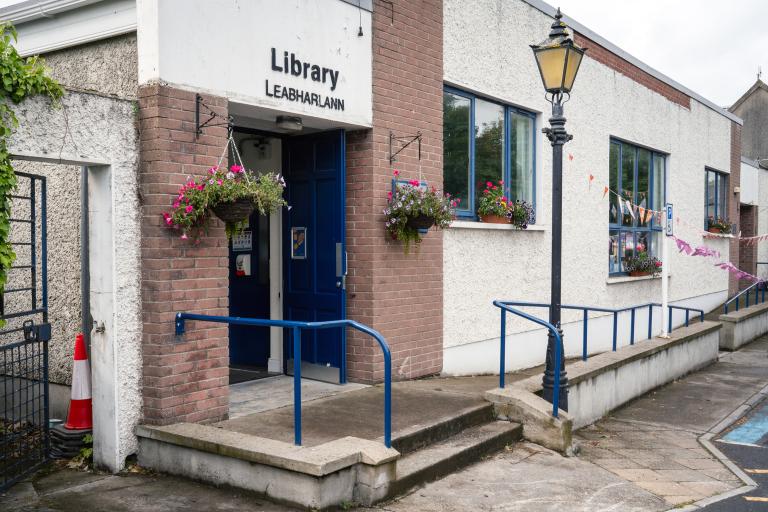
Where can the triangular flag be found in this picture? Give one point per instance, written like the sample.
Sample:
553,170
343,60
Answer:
605,191
590,181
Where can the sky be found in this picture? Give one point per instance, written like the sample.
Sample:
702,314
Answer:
713,47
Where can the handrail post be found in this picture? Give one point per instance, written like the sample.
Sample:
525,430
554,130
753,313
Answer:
615,327
687,316
738,298
387,399
584,338
701,316
669,323
297,386
632,328
502,351
748,290
556,383
650,321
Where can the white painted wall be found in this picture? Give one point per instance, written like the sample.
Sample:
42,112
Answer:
483,265
231,53
749,184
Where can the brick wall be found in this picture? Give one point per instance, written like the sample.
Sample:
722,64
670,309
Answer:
626,68
734,200
748,252
400,295
184,380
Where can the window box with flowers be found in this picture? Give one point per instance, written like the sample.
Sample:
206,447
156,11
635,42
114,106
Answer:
413,207
230,194
642,265
719,225
494,207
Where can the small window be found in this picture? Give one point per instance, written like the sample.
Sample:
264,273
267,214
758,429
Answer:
486,141
716,196
636,180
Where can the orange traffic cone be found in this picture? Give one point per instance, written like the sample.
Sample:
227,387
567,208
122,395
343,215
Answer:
80,415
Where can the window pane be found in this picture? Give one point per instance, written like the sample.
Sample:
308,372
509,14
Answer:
710,194
614,252
489,144
722,196
627,181
625,238
643,243
658,182
521,145
456,133
613,183
643,182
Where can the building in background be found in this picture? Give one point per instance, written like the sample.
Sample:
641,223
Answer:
322,91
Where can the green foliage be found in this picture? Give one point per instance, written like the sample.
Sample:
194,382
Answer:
719,224
412,200
191,210
22,77
494,202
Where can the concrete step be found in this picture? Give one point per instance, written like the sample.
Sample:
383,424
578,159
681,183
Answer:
419,436
440,459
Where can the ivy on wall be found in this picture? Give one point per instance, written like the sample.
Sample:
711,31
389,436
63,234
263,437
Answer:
22,77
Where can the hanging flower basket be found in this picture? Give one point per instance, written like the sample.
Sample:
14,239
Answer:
231,194
235,211
421,223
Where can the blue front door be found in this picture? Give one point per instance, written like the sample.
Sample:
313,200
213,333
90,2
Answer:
314,169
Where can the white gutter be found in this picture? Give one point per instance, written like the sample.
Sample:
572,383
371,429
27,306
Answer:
581,29
30,10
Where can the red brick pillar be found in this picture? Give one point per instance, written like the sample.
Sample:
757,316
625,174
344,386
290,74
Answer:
184,379
399,295
734,201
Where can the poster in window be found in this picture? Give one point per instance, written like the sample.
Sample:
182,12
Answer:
298,243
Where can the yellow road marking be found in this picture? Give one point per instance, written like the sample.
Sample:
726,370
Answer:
755,498
757,471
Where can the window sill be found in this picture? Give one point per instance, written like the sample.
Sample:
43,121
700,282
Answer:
716,236
470,224
630,279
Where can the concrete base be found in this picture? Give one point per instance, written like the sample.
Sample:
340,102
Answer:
319,477
743,326
605,382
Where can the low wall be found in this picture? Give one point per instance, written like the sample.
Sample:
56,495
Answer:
742,326
605,382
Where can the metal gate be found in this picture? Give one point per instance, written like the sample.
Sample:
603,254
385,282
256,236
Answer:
24,435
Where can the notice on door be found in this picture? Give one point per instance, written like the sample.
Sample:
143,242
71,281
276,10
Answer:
298,243
243,241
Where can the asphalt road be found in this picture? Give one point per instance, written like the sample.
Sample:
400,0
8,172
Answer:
746,444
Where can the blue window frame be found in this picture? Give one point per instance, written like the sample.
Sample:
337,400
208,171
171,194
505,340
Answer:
715,196
484,140
637,174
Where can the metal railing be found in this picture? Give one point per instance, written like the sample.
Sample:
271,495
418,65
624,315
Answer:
506,306
296,328
758,287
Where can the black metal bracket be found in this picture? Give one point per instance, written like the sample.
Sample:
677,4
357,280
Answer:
402,143
212,116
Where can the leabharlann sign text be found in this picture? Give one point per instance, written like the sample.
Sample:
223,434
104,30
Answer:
289,63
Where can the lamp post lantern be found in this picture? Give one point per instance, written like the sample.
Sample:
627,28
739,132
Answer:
558,59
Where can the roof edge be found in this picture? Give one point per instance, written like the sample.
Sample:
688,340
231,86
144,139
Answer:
35,9
759,84
578,27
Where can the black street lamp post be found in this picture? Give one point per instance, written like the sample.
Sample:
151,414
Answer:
558,59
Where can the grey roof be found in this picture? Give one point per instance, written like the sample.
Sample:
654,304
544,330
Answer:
581,29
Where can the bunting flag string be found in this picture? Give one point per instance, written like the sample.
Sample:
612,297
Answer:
645,214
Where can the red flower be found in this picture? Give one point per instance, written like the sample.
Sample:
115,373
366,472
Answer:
396,173
488,184
494,187
389,195
415,183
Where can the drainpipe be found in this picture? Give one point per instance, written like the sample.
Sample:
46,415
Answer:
85,272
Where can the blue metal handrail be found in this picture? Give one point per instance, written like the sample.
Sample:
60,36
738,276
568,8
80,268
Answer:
504,307
758,299
615,312
296,328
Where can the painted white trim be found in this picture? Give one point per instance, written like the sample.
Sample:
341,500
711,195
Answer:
581,29
74,24
30,10
469,224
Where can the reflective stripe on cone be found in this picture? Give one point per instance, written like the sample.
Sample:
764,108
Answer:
80,415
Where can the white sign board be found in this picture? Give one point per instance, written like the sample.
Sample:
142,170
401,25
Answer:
298,57
669,225
243,241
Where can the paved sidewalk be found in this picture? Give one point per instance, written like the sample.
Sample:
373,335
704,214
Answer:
654,441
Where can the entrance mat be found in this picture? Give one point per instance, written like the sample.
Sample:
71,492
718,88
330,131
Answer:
239,374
